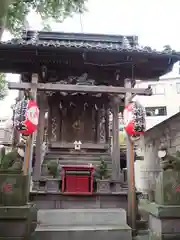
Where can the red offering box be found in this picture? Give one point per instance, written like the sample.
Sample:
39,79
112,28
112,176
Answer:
77,179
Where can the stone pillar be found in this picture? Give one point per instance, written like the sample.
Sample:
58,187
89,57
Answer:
164,219
115,140
150,166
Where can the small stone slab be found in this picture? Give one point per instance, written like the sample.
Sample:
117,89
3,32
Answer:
167,190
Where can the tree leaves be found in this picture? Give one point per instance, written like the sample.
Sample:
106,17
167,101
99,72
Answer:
56,10
3,86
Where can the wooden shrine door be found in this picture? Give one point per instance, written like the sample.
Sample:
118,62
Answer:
77,124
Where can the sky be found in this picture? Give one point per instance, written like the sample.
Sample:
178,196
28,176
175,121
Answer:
155,22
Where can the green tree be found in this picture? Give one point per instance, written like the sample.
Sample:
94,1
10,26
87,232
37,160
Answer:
13,12
3,86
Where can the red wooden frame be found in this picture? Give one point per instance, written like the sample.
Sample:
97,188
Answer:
77,184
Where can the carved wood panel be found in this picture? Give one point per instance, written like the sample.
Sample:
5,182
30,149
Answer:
78,118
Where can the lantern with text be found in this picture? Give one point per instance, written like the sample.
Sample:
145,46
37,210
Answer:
26,116
134,119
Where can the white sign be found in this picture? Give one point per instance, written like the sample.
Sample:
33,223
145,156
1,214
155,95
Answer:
77,145
127,117
33,115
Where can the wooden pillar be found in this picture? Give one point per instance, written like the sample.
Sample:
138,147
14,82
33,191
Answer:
40,135
115,140
107,123
27,168
49,130
130,172
15,133
101,124
55,121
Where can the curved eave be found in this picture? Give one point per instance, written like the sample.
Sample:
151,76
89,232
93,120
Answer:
144,64
86,47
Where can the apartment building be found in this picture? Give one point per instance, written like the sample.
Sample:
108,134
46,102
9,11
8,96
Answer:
165,100
5,132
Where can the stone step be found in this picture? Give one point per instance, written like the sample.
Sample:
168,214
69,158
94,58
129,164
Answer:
66,153
142,235
75,152
85,161
85,157
142,224
78,162
80,224
82,217
13,238
88,232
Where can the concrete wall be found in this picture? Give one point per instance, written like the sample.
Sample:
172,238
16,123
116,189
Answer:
167,132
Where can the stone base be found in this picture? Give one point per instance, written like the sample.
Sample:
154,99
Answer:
47,185
103,186
153,236
109,186
167,188
80,224
164,221
17,222
81,233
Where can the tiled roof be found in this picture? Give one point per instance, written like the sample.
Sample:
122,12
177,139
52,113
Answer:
105,43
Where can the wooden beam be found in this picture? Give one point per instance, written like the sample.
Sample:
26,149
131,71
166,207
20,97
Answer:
29,143
79,88
115,137
39,138
98,146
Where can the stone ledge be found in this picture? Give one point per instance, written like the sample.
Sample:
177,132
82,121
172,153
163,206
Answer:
162,211
18,212
121,193
166,236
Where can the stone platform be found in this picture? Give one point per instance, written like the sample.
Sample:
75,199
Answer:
164,221
17,222
80,224
47,200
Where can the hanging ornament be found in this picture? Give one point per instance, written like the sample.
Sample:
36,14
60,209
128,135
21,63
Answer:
134,119
96,108
85,105
26,116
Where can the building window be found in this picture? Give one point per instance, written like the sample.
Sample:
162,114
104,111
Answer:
178,87
156,111
158,89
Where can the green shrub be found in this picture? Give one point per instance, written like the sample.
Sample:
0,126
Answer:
52,167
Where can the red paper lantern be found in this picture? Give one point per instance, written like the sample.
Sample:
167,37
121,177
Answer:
26,116
134,119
